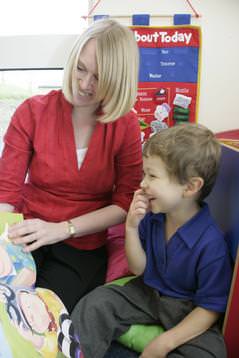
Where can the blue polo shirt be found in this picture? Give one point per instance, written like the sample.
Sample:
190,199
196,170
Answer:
194,264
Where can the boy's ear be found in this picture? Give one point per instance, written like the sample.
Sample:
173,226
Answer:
193,186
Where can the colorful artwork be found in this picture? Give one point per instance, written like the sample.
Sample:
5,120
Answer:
33,321
168,76
16,267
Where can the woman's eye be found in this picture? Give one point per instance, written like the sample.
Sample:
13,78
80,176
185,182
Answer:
79,68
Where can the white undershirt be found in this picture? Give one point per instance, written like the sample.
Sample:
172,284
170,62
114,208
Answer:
80,153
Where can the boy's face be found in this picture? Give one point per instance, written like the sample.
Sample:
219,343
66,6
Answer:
165,194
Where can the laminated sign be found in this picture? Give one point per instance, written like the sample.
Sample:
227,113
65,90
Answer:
168,76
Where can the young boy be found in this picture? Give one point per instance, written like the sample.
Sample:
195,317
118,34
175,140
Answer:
177,252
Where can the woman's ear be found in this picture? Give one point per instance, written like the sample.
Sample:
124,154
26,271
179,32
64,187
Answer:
193,186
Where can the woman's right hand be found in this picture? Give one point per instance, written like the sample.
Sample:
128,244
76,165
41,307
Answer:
34,233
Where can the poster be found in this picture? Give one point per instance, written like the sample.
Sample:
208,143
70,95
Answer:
169,76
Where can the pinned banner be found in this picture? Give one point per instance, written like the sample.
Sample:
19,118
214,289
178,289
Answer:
100,17
140,20
182,19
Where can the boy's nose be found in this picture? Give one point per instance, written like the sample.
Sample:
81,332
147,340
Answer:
143,184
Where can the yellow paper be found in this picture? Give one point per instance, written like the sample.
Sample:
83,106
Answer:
10,218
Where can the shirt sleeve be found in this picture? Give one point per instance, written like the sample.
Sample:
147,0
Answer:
214,282
128,165
143,230
16,155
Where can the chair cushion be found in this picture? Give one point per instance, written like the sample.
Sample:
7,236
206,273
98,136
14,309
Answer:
117,263
139,335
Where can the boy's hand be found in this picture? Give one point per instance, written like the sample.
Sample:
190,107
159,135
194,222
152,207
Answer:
157,348
137,210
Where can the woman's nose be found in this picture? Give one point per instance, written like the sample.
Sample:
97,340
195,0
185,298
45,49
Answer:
86,82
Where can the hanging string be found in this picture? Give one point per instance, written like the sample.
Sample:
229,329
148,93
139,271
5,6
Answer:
98,1
91,10
193,9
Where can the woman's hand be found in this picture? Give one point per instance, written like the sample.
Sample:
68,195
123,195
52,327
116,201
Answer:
34,233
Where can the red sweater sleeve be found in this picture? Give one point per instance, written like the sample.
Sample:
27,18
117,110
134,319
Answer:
128,164
16,156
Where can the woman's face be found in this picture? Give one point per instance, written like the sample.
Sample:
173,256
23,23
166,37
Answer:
85,77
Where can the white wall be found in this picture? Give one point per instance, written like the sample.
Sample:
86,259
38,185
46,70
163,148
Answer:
219,89
38,51
33,36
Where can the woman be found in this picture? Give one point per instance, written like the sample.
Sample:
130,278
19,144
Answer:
81,150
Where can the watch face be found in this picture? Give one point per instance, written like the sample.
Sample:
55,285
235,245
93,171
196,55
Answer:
72,229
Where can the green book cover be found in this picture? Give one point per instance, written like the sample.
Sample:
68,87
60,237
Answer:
9,218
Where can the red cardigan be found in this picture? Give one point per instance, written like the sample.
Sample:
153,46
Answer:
40,143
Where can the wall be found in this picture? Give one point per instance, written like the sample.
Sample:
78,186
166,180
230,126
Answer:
219,93
219,89
36,51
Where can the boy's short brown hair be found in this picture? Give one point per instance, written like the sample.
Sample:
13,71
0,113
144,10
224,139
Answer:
187,150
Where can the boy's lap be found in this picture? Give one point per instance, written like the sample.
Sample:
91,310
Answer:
208,349
169,312
117,350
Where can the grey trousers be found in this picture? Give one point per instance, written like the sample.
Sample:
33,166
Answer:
108,311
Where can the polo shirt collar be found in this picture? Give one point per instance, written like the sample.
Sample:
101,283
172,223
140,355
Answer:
192,230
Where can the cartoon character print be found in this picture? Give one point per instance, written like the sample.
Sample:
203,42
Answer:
35,315
68,341
16,267
38,316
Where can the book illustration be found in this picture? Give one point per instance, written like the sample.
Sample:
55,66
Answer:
33,321
16,267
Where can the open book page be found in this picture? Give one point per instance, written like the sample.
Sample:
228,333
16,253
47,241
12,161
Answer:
33,321
16,267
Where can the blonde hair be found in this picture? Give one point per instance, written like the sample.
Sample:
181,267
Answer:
117,59
187,150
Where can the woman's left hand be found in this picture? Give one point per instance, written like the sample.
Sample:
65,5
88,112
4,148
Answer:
34,233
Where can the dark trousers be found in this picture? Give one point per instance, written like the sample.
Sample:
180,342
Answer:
117,350
69,272
107,312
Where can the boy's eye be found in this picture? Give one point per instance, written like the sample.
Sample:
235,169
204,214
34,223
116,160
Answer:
150,176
